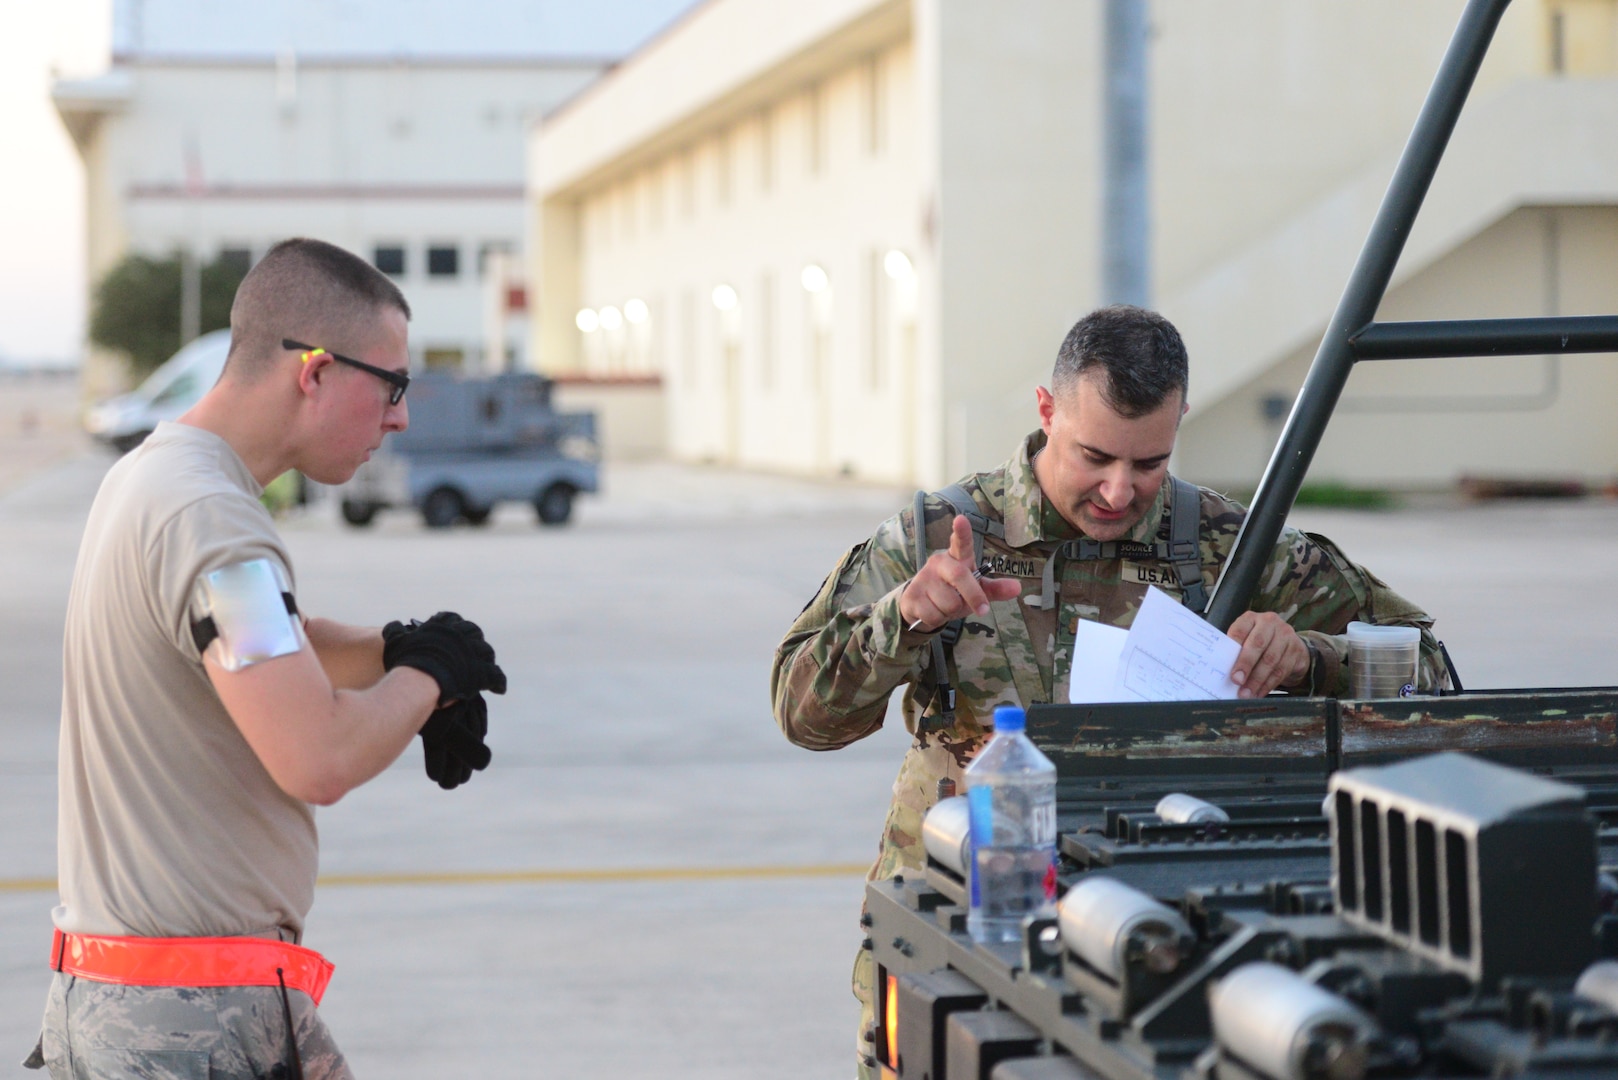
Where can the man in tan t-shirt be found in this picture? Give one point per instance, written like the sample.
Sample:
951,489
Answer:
202,715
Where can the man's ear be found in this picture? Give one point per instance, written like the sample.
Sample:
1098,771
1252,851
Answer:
1047,408
312,372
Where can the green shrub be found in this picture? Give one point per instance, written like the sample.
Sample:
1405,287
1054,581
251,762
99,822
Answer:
1335,494
136,307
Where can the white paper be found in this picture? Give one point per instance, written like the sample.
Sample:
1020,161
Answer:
1096,649
1171,654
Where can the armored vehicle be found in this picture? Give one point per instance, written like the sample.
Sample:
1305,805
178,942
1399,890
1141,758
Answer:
1297,888
475,443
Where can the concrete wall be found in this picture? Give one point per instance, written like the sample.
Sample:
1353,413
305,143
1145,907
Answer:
631,418
1275,127
1014,181
798,374
1424,423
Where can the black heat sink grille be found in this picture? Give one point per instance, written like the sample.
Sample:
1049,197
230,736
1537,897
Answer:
1461,861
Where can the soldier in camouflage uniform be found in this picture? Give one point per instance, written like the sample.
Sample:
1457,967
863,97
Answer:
1096,469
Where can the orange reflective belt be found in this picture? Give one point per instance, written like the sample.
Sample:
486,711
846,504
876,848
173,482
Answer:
191,961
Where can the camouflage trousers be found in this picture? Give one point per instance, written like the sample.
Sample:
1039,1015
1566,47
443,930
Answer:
865,991
98,1031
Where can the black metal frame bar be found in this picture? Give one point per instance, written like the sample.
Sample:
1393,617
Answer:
1352,334
1486,337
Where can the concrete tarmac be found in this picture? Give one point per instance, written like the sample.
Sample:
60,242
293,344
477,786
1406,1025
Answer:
649,881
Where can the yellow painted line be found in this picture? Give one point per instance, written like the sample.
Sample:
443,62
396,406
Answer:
538,877
566,877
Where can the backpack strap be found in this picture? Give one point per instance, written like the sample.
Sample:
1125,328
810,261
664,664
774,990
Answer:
961,501
942,654
943,644
1185,545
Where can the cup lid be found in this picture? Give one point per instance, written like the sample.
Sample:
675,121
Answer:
1370,634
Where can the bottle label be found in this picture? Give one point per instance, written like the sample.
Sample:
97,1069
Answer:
1044,823
980,819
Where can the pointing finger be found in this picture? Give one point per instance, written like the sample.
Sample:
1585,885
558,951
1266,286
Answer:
960,539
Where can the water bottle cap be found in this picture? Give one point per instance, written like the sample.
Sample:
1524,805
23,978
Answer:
1010,718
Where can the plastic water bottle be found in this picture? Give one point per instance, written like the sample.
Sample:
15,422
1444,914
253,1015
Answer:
1011,795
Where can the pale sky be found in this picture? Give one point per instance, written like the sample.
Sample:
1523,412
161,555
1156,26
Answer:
42,299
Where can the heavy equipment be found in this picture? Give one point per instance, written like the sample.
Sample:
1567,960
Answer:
473,443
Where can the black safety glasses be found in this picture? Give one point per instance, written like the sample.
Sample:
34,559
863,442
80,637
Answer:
400,383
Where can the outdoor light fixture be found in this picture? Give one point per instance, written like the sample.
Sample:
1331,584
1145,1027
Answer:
897,265
635,310
724,297
611,318
587,320
814,278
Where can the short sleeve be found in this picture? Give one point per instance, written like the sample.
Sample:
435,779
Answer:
217,531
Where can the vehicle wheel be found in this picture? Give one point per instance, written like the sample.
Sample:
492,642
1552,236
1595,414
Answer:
554,505
442,508
479,516
359,514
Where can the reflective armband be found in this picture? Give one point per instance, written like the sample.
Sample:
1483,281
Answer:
248,615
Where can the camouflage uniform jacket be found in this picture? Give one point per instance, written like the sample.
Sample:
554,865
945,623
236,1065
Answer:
849,650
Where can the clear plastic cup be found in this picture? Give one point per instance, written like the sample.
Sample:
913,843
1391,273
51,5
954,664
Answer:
1382,660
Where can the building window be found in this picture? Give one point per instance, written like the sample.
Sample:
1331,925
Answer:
766,150
688,337
817,320
876,313
688,185
814,129
722,168
390,259
626,201
443,261
237,258
876,120
766,330
654,198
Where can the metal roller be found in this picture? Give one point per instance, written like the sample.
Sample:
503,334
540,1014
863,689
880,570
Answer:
1286,1027
1182,809
1109,925
946,833
1599,984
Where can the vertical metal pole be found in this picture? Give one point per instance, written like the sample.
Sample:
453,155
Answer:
1366,285
1126,234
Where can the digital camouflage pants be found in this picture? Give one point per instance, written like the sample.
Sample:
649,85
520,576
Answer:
98,1031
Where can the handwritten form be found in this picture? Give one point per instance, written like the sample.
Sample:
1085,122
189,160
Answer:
1168,654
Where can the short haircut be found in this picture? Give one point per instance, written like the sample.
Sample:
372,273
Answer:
1138,353
310,291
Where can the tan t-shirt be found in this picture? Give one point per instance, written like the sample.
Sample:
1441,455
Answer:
169,826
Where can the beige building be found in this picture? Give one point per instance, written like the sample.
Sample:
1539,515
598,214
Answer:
852,233
399,134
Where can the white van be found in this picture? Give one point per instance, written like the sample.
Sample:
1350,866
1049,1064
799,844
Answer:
166,394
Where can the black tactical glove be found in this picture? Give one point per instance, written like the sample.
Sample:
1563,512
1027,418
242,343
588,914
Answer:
452,742
450,649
